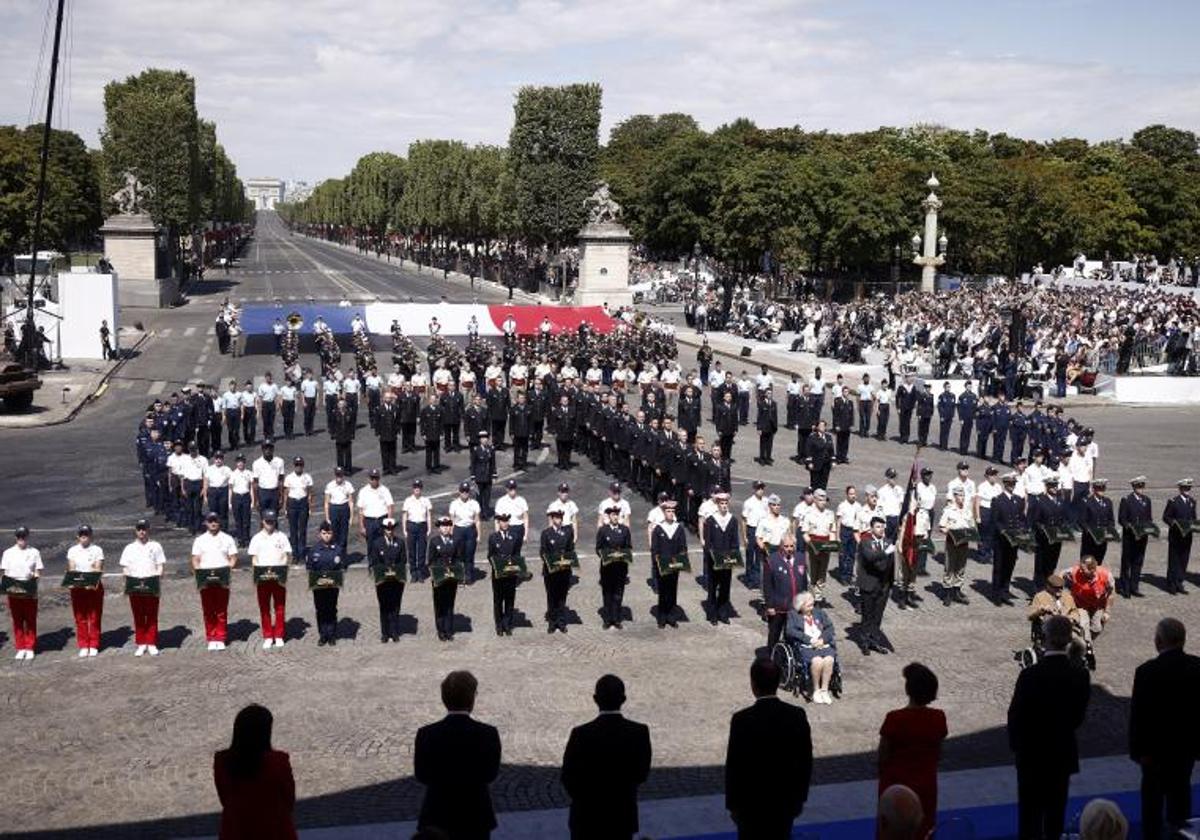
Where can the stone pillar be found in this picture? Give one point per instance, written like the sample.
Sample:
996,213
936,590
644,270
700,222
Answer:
130,244
604,265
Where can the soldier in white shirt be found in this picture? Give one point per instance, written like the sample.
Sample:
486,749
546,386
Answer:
249,401
416,516
1035,474
270,548
287,408
798,513
267,401
339,508
955,515
847,519
820,525
22,562
216,489
87,603
191,476
231,405
963,481
297,487
614,500
984,493
670,382
374,387
214,549
331,390
745,387
1020,465
141,560
308,391
241,493
565,505
375,504
1079,467
754,509
351,386
467,527
268,472
518,513
891,499
176,510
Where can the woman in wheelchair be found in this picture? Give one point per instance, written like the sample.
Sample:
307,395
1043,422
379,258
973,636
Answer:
809,634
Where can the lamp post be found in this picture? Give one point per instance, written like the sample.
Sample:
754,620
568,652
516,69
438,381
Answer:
896,270
930,252
696,270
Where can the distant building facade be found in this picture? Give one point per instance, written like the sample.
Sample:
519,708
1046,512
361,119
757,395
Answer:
265,192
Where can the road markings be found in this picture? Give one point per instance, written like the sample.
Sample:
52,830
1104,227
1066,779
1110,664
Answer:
197,370
125,384
156,387
189,332
211,331
165,333
203,358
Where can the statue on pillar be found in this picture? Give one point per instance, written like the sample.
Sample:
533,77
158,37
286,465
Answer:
602,208
131,198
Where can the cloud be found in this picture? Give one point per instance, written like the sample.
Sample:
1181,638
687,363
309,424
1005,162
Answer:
301,88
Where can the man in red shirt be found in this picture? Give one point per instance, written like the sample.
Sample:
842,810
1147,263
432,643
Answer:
1091,585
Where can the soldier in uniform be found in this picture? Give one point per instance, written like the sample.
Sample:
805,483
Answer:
483,472
924,415
1018,427
725,418
1097,513
1001,420
562,420
767,423
818,457
519,426
387,428
502,548
1047,510
1008,512
945,407
688,412
440,555
453,407
667,540
431,431
719,534
906,401
1182,509
1135,509
967,403
983,427
843,424
613,535
325,556
555,541
410,412
497,408
388,552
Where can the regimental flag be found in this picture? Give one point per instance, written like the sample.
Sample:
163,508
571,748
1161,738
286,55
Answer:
906,542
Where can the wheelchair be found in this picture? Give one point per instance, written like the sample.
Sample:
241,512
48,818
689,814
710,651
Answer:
1081,653
795,676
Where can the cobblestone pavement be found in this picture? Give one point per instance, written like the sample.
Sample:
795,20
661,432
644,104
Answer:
119,746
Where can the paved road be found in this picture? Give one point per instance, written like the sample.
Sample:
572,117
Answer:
144,729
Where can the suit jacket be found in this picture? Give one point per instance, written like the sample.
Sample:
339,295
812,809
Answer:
875,566
780,584
768,765
605,762
1164,691
1048,705
456,759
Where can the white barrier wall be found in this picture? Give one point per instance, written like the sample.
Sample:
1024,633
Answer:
1163,390
84,301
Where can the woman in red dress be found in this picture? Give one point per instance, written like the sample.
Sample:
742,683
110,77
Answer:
910,742
254,782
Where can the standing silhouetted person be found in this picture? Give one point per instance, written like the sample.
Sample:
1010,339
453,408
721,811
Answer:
456,759
1048,705
768,766
605,762
254,782
1163,739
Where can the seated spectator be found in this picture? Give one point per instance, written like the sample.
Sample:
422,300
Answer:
900,816
910,742
810,631
1102,820
254,782
1091,586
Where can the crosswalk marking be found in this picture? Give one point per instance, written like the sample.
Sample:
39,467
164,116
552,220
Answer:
211,331
156,387
166,332
190,331
125,384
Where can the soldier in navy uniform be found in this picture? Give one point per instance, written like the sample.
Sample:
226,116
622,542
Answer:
818,457
808,412
983,427
843,423
325,556
945,406
440,553
431,431
501,548
410,412
906,401
556,540
767,423
483,471
539,407
720,534
725,419
967,403
387,428
609,537
1134,509
1097,513
519,428
1182,509
388,551
1045,511
1018,429
668,539
562,420
1008,512
1000,423
453,406
924,415
497,410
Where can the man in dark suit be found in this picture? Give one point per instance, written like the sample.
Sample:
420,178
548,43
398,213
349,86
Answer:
768,765
876,561
784,577
1048,705
605,762
1161,738
456,759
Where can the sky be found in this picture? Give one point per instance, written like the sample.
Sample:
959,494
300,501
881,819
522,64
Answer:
300,89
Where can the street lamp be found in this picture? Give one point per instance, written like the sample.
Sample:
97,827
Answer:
896,269
696,269
933,252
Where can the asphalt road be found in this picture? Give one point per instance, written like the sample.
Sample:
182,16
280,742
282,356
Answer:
348,715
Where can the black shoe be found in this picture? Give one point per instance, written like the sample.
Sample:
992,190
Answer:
1137,593
961,597
661,624
673,623
550,628
383,640
499,630
617,625
878,648
333,642
320,643
903,603
947,599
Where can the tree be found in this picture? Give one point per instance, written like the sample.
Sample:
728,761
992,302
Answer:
554,149
632,156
